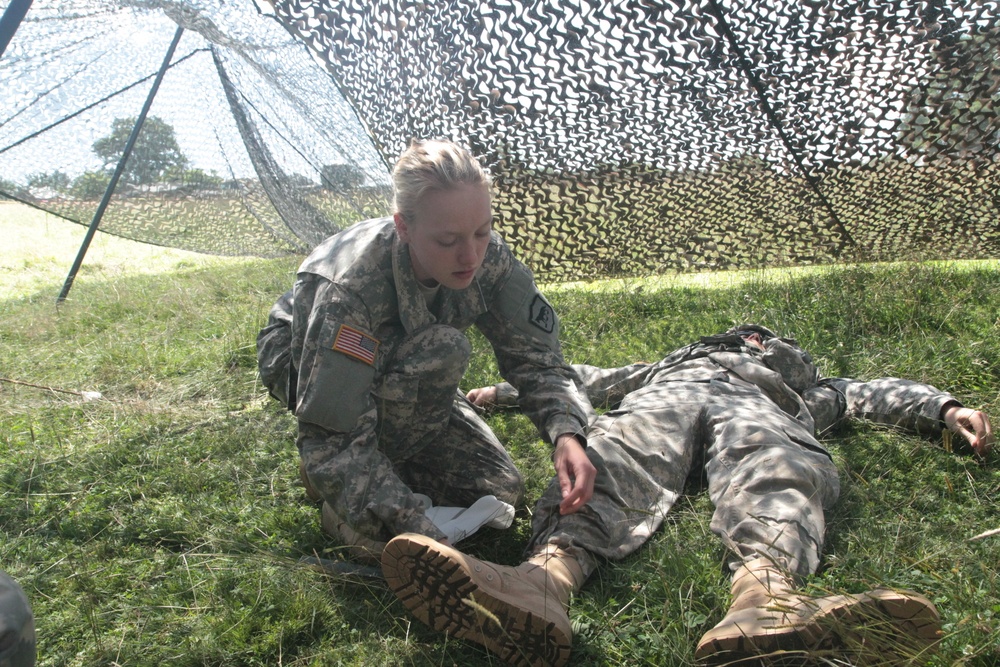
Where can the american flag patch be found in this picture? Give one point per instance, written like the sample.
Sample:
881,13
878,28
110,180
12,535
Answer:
356,344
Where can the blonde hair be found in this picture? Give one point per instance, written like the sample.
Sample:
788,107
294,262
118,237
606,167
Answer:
429,165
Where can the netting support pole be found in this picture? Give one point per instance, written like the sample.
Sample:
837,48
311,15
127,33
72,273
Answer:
99,213
775,122
11,21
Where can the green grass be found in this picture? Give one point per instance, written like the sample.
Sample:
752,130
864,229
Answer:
163,523
38,251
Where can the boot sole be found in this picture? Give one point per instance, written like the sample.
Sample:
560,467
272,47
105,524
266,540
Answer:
914,614
881,627
442,592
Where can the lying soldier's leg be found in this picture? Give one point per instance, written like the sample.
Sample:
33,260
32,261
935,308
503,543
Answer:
769,617
770,482
518,613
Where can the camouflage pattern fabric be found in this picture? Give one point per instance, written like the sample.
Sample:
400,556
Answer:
624,137
17,625
431,439
728,406
629,138
378,371
274,352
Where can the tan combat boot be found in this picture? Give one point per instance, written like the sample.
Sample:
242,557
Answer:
359,547
768,618
518,613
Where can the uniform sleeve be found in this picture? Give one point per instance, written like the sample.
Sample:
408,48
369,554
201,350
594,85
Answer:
604,387
912,406
607,387
523,329
338,417
274,352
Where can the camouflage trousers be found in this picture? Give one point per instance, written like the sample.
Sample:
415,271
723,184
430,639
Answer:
431,439
17,625
768,477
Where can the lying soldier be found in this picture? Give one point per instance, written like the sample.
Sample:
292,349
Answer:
749,405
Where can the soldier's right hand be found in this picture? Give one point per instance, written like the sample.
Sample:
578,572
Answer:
575,472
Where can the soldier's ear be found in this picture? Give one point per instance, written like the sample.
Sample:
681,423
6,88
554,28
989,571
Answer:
402,229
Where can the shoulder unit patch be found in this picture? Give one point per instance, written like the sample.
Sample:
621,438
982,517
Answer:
542,315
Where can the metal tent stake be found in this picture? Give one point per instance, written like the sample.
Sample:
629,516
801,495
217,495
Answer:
99,213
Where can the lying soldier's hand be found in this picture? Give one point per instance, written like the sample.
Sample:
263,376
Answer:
973,425
483,397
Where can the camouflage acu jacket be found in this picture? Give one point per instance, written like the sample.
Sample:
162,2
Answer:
362,278
784,372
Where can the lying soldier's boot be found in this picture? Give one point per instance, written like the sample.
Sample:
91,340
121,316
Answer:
767,618
360,547
518,613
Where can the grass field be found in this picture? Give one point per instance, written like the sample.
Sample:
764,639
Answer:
163,524
39,249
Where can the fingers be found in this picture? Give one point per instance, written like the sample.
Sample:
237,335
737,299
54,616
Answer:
566,487
982,440
482,396
576,474
974,426
581,492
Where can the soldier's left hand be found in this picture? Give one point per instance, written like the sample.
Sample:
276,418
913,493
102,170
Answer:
575,472
973,425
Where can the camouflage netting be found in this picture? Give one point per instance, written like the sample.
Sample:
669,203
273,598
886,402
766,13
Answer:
248,148
625,137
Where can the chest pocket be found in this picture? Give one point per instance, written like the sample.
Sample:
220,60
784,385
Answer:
338,388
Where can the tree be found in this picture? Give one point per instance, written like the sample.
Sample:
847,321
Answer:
57,181
8,187
155,150
341,177
90,185
194,178
300,181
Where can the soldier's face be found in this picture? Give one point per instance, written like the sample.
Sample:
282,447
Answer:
448,235
755,340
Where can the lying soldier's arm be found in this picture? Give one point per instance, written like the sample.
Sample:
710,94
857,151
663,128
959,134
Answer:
605,387
913,406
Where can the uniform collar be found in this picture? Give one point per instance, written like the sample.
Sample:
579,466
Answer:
413,312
